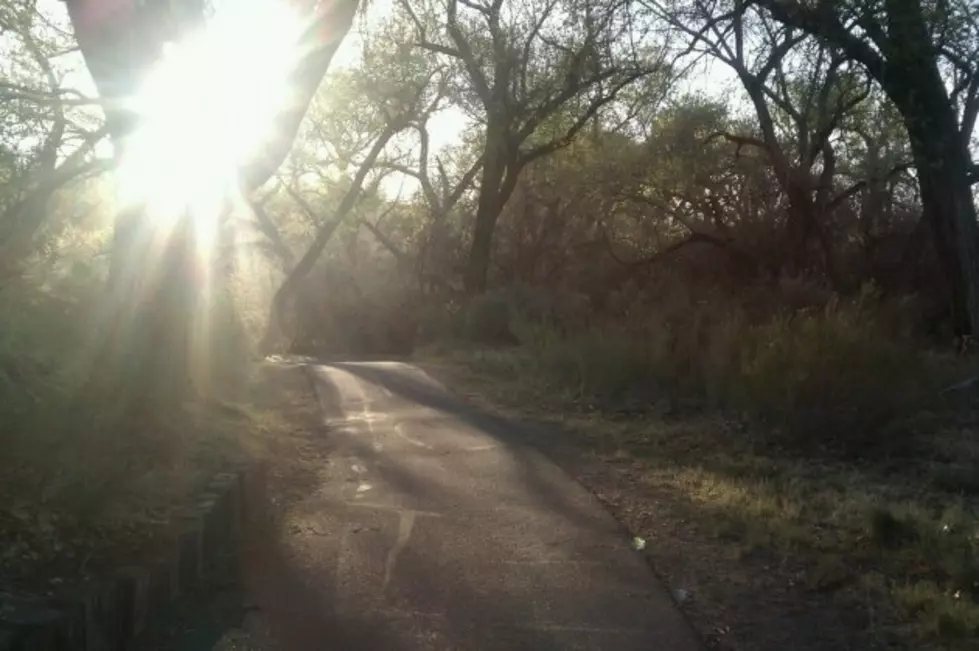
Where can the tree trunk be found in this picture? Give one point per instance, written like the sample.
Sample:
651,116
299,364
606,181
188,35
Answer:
477,271
942,162
908,70
141,367
501,169
798,231
276,331
488,210
914,83
946,196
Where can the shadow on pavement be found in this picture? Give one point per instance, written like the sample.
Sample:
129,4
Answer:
449,599
542,479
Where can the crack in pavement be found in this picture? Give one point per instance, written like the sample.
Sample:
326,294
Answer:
406,522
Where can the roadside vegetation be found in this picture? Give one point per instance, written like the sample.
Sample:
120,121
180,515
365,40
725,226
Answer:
84,489
819,444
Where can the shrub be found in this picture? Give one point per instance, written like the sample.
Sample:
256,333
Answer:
488,320
440,322
830,378
600,367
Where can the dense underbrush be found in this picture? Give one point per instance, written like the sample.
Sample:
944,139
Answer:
836,377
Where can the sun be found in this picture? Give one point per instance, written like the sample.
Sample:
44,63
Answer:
206,107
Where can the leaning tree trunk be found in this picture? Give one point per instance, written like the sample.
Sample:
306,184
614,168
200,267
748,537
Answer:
275,330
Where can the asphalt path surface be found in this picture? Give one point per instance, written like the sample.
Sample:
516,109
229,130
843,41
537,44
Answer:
435,528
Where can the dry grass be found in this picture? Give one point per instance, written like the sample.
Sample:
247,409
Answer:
820,440
76,501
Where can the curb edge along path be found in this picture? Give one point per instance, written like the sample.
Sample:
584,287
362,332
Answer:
435,528
129,606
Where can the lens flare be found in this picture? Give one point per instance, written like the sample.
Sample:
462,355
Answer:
207,106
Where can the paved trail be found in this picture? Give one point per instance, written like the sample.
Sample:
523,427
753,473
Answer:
434,528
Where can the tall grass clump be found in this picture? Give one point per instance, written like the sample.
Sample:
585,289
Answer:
836,377
602,368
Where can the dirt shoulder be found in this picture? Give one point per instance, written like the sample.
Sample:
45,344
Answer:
286,428
99,502
763,552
